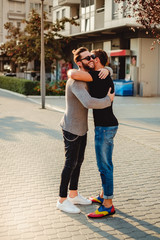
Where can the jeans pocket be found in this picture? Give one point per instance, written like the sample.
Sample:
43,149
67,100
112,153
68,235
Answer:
109,134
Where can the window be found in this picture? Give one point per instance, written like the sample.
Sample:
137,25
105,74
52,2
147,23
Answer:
91,2
18,24
83,3
63,13
87,25
100,6
98,45
50,9
87,12
37,6
115,10
75,12
57,15
31,6
45,8
86,3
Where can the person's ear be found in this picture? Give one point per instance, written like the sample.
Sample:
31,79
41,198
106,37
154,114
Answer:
79,63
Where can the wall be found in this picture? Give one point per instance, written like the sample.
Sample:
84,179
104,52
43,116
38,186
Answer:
59,9
158,87
5,19
109,22
150,65
148,62
1,21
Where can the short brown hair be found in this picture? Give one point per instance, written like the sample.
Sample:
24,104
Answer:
77,53
102,55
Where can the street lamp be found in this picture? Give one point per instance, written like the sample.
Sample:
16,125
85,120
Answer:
42,78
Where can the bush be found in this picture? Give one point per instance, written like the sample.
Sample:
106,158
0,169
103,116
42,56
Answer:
18,85
28,87
52,89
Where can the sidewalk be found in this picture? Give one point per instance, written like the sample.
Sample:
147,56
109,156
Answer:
32,157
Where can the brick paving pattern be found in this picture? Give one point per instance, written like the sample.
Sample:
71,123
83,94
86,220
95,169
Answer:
32,157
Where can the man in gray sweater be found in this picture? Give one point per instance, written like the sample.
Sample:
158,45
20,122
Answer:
74,127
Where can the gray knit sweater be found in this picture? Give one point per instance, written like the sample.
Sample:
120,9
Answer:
78,100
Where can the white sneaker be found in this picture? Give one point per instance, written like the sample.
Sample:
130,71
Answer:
80,200
68,207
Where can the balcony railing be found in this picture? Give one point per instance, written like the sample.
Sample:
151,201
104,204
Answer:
16,16
99,19
75,29
18,1
68,2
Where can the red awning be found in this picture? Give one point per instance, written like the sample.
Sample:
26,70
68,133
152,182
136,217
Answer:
121,52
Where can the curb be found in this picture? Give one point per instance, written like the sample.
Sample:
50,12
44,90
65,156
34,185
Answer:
37,97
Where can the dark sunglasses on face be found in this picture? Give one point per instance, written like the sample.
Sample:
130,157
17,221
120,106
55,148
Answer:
88,58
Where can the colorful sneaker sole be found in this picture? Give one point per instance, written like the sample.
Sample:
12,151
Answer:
96,200
102,212
99,215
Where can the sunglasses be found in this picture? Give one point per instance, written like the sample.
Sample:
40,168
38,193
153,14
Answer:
88,58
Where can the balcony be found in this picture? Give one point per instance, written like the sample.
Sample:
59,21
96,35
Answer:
75,29
23,1
68,2
16,16
99,18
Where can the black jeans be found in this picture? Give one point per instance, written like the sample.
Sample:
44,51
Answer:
74,154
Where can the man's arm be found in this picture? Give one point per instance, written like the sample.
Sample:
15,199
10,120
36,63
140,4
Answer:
85,76
104,72
79,75
79,89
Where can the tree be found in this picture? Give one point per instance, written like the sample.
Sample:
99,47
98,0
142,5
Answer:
25,46
147,13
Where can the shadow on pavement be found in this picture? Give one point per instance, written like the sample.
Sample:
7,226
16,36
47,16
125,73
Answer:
116,225
138,127
13,125
149,121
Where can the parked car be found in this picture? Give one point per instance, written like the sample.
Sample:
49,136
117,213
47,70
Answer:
10,74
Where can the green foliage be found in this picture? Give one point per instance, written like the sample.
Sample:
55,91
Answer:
18,85
54,89
25,46
28,87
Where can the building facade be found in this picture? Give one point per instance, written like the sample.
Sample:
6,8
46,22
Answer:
104,24
15,11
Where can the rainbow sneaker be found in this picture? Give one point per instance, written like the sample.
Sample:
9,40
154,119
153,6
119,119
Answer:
102,211
96,199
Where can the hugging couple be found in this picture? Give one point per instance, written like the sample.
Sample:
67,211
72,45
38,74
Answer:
88,87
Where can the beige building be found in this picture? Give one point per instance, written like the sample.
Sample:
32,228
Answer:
104,25
15,11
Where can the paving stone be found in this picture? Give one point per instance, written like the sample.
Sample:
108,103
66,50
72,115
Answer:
28,235
64,235
42,237
80,237
32,157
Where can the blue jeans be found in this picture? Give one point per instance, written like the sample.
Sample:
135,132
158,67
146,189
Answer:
104,149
